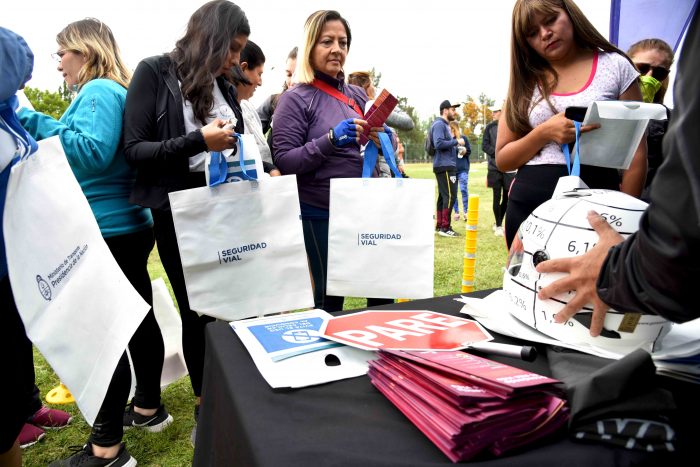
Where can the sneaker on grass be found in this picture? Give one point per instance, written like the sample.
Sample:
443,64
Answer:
448,233
84,457
153,423
30,435
47,418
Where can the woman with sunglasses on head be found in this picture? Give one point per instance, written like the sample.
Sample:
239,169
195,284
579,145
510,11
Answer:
558,60
179,106
316,135
653,58
90,132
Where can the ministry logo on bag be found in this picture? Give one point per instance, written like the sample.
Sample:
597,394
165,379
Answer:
44,288
240,253
375,239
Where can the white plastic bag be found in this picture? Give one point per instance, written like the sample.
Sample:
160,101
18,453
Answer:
174,366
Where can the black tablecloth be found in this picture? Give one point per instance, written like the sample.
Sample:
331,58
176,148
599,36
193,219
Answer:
244,422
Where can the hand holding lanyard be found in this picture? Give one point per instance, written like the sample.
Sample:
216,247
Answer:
576,168
218,166
371,153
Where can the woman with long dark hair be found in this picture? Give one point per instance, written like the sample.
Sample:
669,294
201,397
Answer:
558,60
179,106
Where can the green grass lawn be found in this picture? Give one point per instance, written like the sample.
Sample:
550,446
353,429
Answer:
172,446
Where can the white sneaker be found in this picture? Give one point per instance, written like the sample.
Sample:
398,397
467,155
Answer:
498,231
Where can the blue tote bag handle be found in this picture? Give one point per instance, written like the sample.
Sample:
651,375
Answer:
372,152
218,167
576,168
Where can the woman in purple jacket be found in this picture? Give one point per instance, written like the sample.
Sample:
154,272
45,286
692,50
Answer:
317,126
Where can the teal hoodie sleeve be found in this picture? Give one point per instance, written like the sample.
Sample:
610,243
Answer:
90,130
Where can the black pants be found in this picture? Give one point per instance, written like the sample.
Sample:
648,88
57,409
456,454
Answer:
316,244
534,184
500,185
447,194
17,369
131,252
192,324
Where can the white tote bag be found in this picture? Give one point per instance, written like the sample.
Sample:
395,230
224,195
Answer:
380,234
227,166
174,366
242,248
77,306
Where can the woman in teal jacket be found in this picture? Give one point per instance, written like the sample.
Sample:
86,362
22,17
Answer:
90,132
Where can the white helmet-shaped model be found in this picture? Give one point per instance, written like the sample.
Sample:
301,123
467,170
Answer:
559,228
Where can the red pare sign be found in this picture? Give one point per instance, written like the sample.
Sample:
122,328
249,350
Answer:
404,330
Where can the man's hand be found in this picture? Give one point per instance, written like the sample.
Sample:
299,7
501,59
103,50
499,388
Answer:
583,273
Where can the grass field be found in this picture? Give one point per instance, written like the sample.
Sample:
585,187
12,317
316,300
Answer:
172,446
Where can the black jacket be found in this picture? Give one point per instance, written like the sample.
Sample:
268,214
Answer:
656,270
154,131
488,144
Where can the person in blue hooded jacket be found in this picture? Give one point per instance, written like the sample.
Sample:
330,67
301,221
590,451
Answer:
17,365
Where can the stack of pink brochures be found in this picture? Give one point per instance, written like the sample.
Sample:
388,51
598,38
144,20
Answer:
468,405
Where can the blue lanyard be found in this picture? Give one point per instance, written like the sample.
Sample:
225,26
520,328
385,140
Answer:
576,168
372,152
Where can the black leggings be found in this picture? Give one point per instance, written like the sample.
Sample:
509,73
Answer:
534,184
192,324
131,252
17,368
501,185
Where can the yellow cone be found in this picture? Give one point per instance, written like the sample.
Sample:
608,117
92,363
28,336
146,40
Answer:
470,244
59,395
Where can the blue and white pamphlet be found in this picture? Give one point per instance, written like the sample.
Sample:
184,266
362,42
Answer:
289,350
293,335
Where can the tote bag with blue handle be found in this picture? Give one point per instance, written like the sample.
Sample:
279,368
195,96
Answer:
381,237
242,247
242,162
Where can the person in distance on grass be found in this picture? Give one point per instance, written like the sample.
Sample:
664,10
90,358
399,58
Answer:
445,166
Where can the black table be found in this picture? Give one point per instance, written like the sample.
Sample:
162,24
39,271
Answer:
244,422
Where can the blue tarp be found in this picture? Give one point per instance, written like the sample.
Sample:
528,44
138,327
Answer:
634,20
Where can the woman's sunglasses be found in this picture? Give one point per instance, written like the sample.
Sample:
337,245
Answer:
658,72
